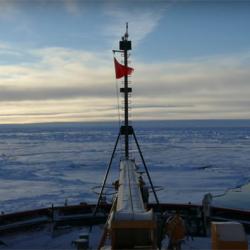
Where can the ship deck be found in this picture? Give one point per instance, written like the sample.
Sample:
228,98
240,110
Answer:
56,228
44,237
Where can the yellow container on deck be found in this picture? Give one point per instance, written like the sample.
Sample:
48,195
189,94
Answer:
228,236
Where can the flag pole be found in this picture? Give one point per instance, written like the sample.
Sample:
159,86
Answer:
126,96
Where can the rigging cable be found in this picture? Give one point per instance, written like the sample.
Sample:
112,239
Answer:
118,105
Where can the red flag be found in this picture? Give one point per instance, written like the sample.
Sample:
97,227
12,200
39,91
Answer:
121,70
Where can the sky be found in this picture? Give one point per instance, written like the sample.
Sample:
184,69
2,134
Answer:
191,59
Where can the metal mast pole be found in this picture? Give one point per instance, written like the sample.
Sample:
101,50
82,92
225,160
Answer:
126,130
126,97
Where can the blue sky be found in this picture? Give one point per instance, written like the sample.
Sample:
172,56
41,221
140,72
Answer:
191,59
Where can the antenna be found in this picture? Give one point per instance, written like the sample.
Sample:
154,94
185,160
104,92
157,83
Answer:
126,34
126,130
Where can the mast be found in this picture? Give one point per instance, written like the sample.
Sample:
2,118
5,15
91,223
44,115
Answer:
126,130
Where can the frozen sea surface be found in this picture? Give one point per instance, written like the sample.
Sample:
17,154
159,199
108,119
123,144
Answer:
44,164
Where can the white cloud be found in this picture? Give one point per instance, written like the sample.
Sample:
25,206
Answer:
73,85
142,19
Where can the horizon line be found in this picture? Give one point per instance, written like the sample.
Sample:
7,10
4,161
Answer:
116,122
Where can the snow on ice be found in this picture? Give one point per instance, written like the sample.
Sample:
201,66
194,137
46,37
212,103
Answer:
44,164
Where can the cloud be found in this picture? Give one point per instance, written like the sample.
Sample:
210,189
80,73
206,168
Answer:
143,18
72,6
81,109
73,85
211,87
55,67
